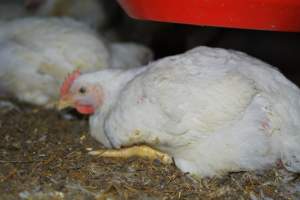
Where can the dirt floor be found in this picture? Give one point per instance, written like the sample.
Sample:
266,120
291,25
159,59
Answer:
43,155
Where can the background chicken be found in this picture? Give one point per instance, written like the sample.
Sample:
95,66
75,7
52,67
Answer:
90,12
37,53
213,110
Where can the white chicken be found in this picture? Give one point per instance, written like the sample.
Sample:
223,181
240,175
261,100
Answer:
37,53
90,12
213,110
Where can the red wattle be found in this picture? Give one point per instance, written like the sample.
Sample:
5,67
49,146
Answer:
85,109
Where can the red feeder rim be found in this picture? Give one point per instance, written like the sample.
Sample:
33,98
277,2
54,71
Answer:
274,15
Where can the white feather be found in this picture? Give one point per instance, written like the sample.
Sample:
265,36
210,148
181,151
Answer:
128,55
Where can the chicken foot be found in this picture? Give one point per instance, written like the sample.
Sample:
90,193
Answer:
142,151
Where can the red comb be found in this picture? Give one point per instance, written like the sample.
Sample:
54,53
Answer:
68,82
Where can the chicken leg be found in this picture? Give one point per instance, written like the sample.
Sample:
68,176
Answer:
140,151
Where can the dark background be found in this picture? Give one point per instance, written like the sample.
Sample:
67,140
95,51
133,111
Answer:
281,49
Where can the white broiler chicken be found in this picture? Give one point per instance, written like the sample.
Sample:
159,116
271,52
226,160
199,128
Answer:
212,110
37,53
90,12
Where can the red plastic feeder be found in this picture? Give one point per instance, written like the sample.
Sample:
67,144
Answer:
274,15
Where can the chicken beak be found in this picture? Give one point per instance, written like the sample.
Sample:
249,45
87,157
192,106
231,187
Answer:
64,103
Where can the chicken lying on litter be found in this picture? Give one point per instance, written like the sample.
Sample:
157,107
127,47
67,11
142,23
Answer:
36,54
90,12
212,110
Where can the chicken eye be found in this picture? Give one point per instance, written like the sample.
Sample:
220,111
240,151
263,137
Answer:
82,90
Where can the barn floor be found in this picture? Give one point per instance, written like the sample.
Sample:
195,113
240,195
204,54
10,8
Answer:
43,155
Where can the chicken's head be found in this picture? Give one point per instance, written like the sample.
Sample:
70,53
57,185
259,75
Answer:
80,94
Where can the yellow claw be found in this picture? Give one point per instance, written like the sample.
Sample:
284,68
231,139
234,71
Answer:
142,151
